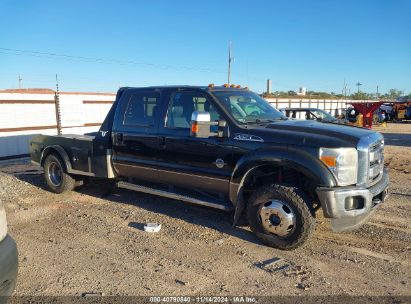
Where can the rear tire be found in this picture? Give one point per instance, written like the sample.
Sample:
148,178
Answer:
56,176
280,216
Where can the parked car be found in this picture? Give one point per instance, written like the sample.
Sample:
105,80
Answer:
311,114
229,149
8,258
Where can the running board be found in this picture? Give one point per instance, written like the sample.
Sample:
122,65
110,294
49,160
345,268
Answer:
172,195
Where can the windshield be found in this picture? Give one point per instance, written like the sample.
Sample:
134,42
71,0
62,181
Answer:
247,107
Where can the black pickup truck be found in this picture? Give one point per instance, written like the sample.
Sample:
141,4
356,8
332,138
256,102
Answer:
227,148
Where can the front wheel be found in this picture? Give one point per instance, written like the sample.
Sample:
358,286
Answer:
57,179
280,216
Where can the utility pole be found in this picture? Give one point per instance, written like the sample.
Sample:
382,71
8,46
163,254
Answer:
57,105
345,90
246,73
20,81
378,95
358,84
229,62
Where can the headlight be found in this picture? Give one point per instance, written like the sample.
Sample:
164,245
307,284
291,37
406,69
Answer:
3,222
343,163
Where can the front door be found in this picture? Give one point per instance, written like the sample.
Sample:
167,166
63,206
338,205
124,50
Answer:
195,163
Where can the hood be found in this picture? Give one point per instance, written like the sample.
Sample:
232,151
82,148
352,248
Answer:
309,132
334,121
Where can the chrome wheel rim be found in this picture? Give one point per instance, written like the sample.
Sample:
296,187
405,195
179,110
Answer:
54,173
277,218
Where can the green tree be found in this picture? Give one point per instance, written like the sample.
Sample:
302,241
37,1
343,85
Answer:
360,96
394,94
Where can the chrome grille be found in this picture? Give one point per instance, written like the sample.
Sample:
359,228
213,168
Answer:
376,161
370,159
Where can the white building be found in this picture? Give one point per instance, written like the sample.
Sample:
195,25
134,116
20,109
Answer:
302,91
25,112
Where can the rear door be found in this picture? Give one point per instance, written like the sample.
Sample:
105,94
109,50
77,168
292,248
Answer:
195,163
136,145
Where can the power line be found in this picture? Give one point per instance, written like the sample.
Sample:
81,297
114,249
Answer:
67,57
38,54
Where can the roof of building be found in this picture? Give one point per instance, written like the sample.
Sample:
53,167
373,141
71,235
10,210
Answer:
50,91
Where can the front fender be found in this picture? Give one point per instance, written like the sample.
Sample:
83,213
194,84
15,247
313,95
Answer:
301,161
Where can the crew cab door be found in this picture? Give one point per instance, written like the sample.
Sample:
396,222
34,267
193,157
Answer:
195,163
136,146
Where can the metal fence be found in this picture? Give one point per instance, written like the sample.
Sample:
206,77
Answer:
333,106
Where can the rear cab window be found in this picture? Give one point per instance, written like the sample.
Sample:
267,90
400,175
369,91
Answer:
139,109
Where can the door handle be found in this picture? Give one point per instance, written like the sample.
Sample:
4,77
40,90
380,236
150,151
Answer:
118,139
162,140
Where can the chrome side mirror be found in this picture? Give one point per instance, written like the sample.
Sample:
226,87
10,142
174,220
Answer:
200,124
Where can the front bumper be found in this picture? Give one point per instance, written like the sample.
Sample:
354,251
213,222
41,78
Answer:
350,207
8,267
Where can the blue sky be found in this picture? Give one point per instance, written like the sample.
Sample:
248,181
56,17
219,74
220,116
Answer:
313,43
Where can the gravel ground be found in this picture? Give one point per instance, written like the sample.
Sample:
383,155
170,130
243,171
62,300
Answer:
92,241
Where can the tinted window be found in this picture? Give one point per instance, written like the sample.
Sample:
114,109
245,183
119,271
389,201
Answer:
142,109
246,106
183,104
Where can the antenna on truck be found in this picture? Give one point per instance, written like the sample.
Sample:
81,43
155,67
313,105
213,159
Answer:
229,63
57,104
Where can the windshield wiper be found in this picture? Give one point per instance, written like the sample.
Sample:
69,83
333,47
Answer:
263,121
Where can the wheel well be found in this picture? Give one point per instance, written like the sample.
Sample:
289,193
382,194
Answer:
54,151
272,174
46,153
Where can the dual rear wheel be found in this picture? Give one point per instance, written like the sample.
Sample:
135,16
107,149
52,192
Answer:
56,176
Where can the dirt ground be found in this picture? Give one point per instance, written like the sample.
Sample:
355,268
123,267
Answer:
92,241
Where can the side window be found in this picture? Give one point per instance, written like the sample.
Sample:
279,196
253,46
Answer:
142,109
301,115
183,104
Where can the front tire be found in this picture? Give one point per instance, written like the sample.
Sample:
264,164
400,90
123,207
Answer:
57,179
280,216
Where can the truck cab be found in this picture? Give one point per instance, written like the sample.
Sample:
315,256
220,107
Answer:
227,148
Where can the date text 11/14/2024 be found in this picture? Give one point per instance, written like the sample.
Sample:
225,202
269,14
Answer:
202,299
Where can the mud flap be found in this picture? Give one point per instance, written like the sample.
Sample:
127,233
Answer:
239,208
